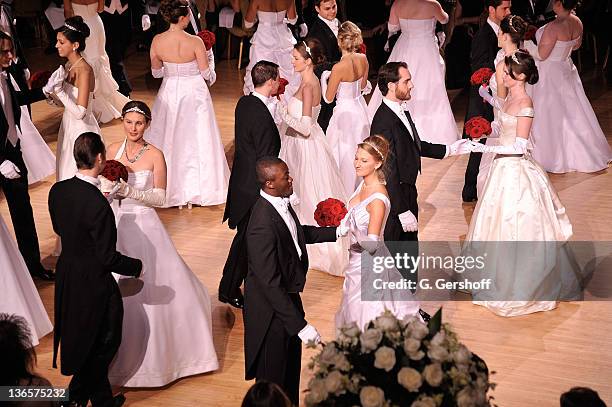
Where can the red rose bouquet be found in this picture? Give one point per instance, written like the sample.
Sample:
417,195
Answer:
39,79
208,37
477,127
282,82
481,76
362,48
330,212
114,170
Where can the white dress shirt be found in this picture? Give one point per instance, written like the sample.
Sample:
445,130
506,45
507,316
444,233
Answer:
7,107
93,181
493,25
332,24
115,5
282,207
399,111
270,102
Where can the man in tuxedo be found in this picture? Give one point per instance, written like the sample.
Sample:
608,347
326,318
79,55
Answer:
484,50
324,28
274,323
256,136
406,149
88,304
13,171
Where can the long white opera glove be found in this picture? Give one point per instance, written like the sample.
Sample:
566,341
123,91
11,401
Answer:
291,21
151,197
106,185
146,22
532,48
519,147
211,59
303,30
324,78
76,110
303,125
157,73
457,148
370,243
57,77
209,76
409,221
9,170
309,333
494,101
343,228
392,28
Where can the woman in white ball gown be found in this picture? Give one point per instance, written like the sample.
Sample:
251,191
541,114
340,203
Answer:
418,46
273,40
108,101
167,323
349,124
566,134
308,156
367,215
185,127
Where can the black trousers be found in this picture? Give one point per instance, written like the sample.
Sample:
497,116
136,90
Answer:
471,176
236,265
90,382
18,200
118,28
279,360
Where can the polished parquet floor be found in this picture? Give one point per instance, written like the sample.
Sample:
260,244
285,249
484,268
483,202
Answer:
536,357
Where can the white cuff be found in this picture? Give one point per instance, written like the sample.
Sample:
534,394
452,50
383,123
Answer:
324,79
309,333
157,73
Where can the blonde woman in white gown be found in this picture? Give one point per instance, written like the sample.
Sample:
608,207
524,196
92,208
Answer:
347,82
108,102
368,210
309,158
185,127
418,46
273,40
575,143
167,322
519,204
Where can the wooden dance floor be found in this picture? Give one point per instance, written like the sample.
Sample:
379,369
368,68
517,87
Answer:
536,357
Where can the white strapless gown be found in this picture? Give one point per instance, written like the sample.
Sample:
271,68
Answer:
519,204
358,280
272,42
19,294
348,126
429,105
315,178
185,128
70,129
566,134
108,102
167,322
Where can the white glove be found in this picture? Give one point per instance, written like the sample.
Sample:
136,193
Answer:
343,228
303,125
370,243
57,77
368,88
110,196
9,170
483,91
519,147
324,78
211,59
409,222
209,76
106,185
291,21
309,333
151,197
26,73
533,49
441,38
457,148
146,22
248,24
393,28
77,111
303,30
157,73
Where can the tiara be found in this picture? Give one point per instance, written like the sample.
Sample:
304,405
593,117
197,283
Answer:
515,59
307,49
72,28
375,149
136,109
510,23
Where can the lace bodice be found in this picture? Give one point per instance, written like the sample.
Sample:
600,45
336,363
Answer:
294,108
562,49
359,218
272,31
508,125
181,69
418,29
348,90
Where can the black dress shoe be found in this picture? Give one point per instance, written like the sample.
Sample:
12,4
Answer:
236,302
426,317
43,274
118,400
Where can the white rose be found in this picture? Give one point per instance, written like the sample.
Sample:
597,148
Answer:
465,398
409,378
433,374
437,353
424,402
411,345
462,355
317,392
371,396
418,330
334,382
385,358
370,339
386,322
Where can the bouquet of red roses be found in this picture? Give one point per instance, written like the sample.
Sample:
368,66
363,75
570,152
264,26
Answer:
477,127
282,83
481,76
330,212
362,48
114,170
208,37
39,79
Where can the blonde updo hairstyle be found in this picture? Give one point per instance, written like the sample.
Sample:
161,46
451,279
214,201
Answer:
378,147
349,37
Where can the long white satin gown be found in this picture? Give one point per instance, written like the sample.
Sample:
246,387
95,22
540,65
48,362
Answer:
566,134
519,204
19,294
315,178
167,321
348,126
428,105
272,42
108,101
353,308
185,128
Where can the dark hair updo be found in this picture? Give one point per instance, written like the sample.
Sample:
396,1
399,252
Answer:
137,106
172,10
515,27
521,62
75,30
314,51
569,4
16,350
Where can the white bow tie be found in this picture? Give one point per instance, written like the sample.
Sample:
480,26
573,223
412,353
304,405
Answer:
283,204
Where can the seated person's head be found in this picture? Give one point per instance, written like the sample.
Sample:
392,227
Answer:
327,9
16,350
89,151
265,394
581,397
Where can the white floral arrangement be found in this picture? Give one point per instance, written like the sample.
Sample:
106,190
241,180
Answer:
398,363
